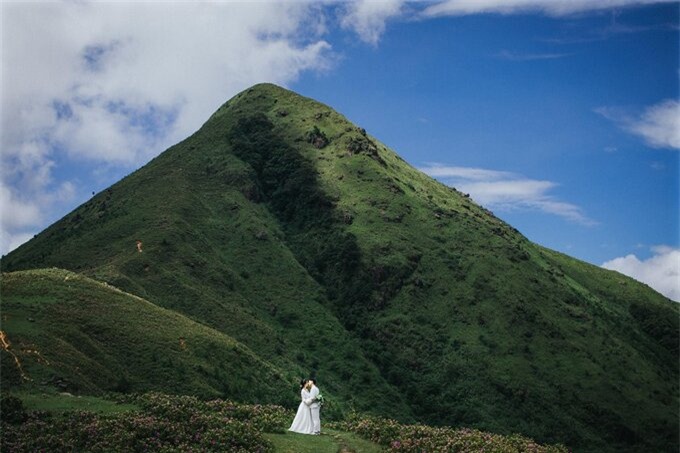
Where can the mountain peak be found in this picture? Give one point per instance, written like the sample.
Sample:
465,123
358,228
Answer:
262,97
261,90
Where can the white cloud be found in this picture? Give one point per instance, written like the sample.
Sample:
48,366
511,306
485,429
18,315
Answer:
16,213
507,191
17,219
516,56
549,7
369,17
658,125
471,173
661,271
94,71
15,240
116,83
23,213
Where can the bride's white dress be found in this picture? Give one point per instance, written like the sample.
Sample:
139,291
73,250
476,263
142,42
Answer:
302,423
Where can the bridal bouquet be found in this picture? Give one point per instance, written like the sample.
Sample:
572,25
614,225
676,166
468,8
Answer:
320,399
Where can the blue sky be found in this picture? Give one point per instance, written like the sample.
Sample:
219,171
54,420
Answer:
560,116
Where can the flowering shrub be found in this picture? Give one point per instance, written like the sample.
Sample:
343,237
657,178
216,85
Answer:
12,409
164,424
266,418
420,438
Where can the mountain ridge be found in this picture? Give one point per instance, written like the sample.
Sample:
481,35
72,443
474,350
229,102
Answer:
284,225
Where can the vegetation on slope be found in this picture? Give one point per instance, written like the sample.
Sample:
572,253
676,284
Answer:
292,230
163,423
83,336
159,422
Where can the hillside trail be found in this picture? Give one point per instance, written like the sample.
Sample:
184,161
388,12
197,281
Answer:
7,347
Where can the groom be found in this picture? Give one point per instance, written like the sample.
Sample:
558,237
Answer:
314,406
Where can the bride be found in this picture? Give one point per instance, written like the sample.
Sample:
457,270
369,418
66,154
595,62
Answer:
303,419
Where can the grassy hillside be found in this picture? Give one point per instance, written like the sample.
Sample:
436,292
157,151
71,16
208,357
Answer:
82,336
286,227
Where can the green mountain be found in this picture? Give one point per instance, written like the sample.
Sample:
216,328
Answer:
290,230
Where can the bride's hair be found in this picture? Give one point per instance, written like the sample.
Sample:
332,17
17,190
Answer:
302,383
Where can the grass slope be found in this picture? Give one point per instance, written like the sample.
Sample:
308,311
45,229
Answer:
87,337
65,402
287,227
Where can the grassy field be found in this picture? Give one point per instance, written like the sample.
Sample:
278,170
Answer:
62,402
331,441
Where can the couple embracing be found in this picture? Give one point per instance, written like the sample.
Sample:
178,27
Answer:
307,419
